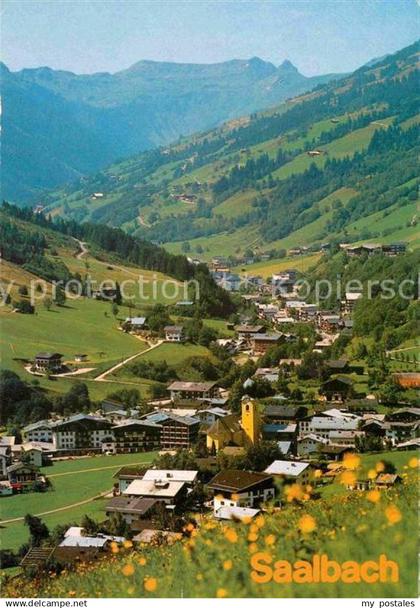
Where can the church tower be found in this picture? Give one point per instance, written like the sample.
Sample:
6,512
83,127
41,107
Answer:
250,421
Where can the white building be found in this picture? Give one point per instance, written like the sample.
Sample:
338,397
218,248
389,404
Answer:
300,472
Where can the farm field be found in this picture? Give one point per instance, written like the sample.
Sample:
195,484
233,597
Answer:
73,481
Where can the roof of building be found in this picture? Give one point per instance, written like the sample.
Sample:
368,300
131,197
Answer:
20,465
282,411
279,428
170,475
80,418
235,513
132,422
173,328
249,329
164,489
130,472
225,425
337,363
7,440
179,385
36,425
387,479
84,541
286,467
134,506
46,355
136,320
237,480
284,447
265,337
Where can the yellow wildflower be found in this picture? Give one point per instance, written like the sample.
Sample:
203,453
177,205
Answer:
227,565
150,584
128,570
373,496
351,461
221,592
348,478
413,463
307,524
393,514
270,540
231,535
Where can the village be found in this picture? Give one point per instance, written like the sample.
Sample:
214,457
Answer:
302,443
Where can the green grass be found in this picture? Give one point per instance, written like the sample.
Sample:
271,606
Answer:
269,267
81,326
175,355
346,528
72,483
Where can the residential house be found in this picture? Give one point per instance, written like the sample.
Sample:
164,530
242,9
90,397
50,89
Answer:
284,414
247,331
384,481
289,470
21,475
174,333
135,324
310,444
38,431
261,343
171,493
80,433
5,459
211,414
323,423
136,436
337,389
280,432
48,362
270,374
136,512
178,432
350,300
126,475
237,488
192,391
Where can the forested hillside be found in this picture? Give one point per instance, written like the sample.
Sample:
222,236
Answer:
31,241
58,126
298,175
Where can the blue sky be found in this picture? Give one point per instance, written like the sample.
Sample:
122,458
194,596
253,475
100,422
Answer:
318,36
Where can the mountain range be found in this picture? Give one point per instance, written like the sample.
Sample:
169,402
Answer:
59,126
298,174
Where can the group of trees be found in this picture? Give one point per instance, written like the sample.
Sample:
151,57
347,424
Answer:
23,402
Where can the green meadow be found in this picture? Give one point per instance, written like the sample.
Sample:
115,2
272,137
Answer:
73,481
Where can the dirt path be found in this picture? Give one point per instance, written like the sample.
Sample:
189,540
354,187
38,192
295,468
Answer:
114,466
83,249
74,504
101,377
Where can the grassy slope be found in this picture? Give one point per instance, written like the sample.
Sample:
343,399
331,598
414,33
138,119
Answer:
347,528
174,355
72,482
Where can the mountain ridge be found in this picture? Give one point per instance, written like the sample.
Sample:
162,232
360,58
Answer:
266,176
148,104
